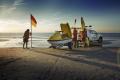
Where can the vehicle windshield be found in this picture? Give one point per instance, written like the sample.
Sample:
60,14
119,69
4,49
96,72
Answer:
92,31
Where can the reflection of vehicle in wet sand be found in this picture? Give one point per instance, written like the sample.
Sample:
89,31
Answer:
61,38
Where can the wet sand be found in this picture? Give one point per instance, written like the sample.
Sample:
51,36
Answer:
59,64
3,40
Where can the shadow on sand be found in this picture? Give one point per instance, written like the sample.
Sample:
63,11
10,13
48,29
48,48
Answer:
105,42
106,55
28,69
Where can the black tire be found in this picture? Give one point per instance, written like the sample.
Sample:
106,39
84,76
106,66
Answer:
100,40
54,47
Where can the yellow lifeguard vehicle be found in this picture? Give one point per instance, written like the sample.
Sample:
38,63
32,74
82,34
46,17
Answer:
61,38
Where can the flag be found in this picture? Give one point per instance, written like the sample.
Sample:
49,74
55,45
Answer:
33,21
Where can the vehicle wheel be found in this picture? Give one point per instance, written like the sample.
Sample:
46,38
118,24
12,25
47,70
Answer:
50,47
100,41
87,42
54,47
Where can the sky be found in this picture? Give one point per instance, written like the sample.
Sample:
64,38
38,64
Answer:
103,15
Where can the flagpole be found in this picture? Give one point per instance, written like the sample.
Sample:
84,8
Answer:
31,31
75,23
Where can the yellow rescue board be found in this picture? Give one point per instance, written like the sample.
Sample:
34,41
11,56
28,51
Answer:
65,28
63,34
56,36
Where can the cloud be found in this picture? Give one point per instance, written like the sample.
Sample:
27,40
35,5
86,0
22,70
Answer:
13,26
7,9
18,2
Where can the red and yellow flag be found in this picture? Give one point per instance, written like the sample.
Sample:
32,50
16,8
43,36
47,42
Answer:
33,21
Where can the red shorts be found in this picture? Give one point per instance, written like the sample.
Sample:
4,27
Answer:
74,39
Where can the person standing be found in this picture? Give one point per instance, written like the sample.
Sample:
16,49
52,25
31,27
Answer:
75,37
83,35
25,38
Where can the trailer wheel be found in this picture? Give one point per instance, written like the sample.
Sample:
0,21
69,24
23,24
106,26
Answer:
54,47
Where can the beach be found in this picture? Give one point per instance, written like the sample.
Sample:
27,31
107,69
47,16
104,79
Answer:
44,63
59,64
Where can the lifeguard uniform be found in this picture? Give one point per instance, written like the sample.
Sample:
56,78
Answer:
75,37
83,35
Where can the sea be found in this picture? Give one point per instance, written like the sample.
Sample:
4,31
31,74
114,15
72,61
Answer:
40,40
